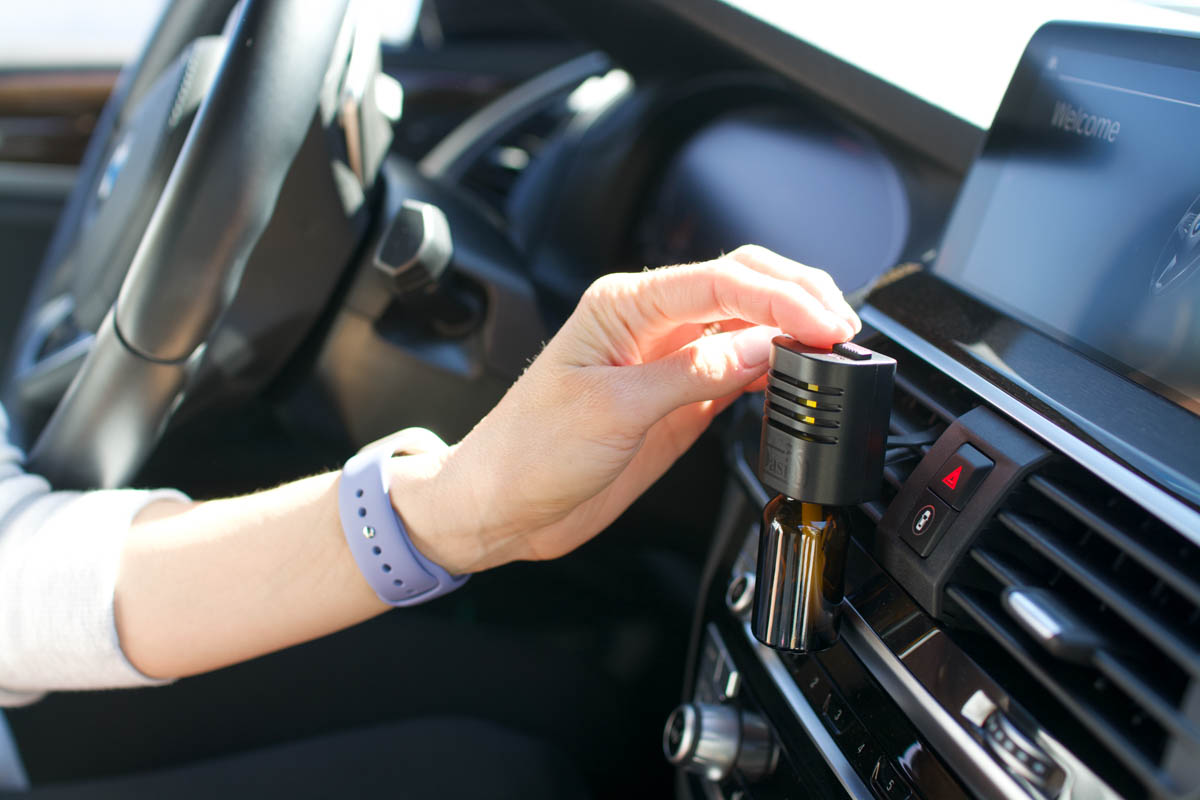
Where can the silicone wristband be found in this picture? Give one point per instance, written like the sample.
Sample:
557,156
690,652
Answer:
392,565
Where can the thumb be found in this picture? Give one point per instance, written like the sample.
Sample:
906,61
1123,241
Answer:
705,369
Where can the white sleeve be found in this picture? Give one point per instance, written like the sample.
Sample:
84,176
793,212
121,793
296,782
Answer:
59,554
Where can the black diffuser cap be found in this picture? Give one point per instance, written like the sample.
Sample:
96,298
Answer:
825,422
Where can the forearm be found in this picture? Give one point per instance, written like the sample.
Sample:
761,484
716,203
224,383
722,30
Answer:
224,581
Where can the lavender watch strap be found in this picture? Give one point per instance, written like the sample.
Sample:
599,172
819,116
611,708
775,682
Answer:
394,568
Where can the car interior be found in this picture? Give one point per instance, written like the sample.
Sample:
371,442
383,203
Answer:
281,230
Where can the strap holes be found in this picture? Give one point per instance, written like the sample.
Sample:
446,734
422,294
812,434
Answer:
358,493
362,512
387,567
376,550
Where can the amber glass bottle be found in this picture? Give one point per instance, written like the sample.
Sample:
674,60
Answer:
824,432
801,561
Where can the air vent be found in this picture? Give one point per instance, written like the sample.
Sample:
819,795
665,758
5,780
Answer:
497,170
1087,609
924,403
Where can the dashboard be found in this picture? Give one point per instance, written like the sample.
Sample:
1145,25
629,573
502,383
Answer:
1030,633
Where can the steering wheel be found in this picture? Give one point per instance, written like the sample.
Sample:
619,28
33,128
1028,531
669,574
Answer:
181,177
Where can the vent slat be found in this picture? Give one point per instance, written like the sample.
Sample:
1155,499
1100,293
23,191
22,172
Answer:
1121,746
874,510
1046,543
1106,663
1137,689
895,476
999,568
1082,512
924,398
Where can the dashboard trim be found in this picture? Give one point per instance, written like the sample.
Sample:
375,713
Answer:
450,158
984,776
947,139
1160,503
825,744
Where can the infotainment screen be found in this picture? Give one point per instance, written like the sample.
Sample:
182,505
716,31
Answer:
1081,216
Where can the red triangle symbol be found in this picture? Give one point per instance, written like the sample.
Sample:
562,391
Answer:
951,480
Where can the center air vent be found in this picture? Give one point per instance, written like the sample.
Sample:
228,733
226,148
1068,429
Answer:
924,403
1087,609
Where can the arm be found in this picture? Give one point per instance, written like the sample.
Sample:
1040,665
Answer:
631,380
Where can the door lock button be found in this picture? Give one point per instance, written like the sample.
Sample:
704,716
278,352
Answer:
926,524
961,475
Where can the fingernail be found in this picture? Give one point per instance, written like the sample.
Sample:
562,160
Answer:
835,324
846,312
753,345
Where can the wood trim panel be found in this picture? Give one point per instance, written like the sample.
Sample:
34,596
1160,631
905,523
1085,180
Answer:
46,116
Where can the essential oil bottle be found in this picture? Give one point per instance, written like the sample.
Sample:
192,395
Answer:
824,433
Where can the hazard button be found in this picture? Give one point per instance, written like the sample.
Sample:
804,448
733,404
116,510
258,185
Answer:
960,476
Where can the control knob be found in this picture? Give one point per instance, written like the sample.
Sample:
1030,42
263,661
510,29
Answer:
713,740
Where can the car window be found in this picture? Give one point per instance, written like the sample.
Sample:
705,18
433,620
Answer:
84,33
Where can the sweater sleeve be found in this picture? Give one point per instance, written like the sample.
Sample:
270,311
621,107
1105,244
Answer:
59,555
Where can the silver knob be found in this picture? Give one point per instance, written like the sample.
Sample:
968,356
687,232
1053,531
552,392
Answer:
740,594
714,740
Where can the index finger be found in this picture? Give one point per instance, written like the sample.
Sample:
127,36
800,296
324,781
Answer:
653,302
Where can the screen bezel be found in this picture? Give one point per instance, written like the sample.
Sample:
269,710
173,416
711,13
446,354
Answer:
1152,47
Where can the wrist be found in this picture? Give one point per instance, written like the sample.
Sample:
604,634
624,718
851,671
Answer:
439,520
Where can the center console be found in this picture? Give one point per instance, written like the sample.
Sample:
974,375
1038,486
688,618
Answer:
1021,613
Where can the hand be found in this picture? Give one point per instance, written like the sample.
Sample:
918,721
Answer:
625,387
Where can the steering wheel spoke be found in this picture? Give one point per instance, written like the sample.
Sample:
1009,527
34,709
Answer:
189,171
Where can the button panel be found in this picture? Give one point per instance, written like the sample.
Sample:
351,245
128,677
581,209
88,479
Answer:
887,783
719,680
813,684
957,479
838,717
928,522
878,743
860,748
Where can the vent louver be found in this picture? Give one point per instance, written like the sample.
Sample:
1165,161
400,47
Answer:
923,401
493,175
1126,585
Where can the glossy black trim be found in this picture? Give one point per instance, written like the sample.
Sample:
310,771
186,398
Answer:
807,716
1125,421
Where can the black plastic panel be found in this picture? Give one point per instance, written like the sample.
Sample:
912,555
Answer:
1014,453
1128,422
763,175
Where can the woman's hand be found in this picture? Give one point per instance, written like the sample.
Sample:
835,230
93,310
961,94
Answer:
625,387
